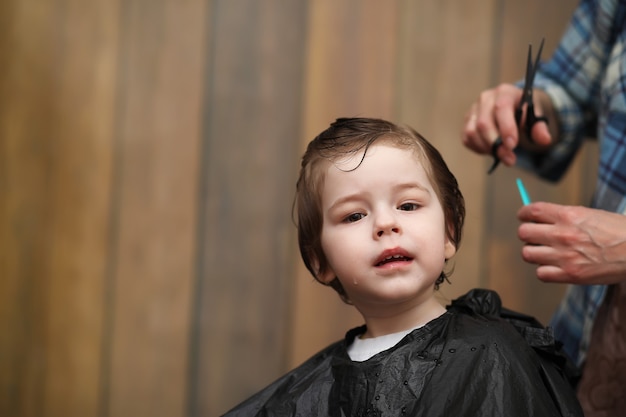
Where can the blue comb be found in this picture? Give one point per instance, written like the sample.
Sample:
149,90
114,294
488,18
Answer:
522,192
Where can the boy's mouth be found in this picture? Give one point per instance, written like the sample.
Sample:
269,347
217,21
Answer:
395,255
394,258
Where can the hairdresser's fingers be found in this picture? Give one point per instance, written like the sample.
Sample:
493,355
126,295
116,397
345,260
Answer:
491,117
542,131
507,97
540,212
471,136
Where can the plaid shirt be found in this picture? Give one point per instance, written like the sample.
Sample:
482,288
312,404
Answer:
586,79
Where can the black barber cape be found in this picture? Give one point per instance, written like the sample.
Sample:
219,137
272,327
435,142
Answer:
477,359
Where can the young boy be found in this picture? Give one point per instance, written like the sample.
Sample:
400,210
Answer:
379,216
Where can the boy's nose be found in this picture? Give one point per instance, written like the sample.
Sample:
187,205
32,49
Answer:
381,232
386,224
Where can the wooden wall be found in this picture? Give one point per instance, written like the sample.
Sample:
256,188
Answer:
148,156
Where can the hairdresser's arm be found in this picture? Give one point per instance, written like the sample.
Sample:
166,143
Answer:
574,244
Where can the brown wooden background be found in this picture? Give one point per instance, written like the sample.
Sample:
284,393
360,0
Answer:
148,156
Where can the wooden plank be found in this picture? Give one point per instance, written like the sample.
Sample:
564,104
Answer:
252,129
445,60
524,23
352,48
82,159
56,112
23,227
160,99
23,221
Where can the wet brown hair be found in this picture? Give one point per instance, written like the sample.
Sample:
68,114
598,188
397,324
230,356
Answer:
349,136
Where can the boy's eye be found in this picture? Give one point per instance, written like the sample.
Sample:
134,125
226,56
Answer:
354,217
408,206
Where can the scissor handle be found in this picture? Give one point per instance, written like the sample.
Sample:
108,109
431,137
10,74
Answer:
532,119
494,153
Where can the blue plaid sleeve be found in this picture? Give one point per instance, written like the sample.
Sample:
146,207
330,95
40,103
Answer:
573,79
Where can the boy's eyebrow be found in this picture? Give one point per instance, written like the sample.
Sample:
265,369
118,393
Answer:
410,185
344,199
396,188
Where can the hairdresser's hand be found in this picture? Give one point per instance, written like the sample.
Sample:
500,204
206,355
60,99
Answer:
574,244
493,116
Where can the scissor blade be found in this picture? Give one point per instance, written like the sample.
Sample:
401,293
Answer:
539,53
536,64
528,82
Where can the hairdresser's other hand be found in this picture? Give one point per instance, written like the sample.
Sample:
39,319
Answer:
573,244
493,116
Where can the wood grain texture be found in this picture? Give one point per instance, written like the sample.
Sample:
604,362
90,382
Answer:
161,75
447,50
56,109
250,156
148,158
350,72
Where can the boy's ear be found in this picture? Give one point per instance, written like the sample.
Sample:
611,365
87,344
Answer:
449,246
325,277
449,249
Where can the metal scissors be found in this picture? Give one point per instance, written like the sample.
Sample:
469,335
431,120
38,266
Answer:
527,99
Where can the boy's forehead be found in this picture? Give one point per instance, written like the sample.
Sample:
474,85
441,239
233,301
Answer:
348,162
347,170
353,160
376,165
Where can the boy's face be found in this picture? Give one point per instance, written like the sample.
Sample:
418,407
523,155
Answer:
383,232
